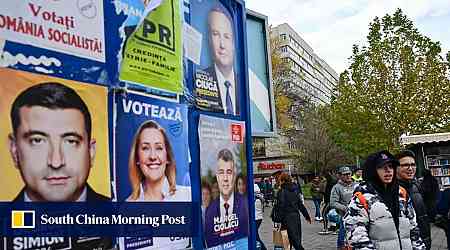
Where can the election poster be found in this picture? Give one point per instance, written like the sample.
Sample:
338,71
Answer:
56,243
217,78
54,147
223,169
152,162
67,26
152,51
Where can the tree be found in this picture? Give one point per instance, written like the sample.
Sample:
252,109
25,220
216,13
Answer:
281,75
316,149
287,99
397,84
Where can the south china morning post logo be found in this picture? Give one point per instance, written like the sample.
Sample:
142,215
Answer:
22,219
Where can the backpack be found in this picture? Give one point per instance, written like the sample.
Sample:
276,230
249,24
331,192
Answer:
277,214
363,201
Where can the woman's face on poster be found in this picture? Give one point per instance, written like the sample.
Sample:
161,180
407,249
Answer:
206,196
152,154
241,186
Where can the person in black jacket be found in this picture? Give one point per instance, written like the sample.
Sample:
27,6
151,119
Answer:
331,180
429,188
290,204
406,172
443,209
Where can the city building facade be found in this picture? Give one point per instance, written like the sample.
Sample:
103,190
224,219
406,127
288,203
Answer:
314,79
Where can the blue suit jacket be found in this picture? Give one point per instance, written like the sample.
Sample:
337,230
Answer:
240,208
76,242
212,72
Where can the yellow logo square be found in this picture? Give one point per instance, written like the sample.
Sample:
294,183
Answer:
22,219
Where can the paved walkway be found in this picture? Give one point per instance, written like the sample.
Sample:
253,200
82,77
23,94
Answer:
312,240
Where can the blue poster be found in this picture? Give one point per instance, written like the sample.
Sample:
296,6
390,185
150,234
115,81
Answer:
218,77
152,163
223,170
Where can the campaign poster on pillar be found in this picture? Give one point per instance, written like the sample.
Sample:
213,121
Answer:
67,26
54,148
152,162
152,51
223,169
217,78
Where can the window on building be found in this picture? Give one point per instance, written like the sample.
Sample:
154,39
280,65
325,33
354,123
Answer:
259,146
292,145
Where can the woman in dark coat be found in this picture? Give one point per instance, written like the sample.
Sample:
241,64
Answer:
290,204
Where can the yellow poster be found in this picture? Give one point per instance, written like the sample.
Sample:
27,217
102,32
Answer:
53,139
153,50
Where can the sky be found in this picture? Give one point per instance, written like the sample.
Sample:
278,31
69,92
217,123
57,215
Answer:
331,27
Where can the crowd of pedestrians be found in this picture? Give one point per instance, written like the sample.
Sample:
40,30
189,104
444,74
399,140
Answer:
381,205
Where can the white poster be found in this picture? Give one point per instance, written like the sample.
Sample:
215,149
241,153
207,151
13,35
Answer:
70,26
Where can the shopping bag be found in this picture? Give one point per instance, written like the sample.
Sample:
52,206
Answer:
284,236
277,238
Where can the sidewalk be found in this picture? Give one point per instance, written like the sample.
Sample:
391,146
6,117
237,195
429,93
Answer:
312,240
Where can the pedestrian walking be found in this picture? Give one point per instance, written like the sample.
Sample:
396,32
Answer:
380,214
317,196
357,175
259,208
291,205
330,180
341,194
406,176
268,191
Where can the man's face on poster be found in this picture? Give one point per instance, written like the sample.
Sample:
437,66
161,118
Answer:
221,39
53,152
225,177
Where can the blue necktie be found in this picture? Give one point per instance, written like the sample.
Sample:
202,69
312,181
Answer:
228,102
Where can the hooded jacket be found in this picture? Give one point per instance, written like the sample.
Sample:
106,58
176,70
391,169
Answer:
389,220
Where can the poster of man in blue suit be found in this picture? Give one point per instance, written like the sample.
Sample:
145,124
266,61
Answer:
217,77
222,161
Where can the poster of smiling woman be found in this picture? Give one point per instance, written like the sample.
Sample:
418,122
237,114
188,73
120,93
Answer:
151,159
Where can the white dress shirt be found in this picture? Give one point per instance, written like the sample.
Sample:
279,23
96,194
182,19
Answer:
223,90
82,198
230,203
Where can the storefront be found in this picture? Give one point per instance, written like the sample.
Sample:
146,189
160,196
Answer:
268,166
433,153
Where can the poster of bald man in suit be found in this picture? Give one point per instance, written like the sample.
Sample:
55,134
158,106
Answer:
217,83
